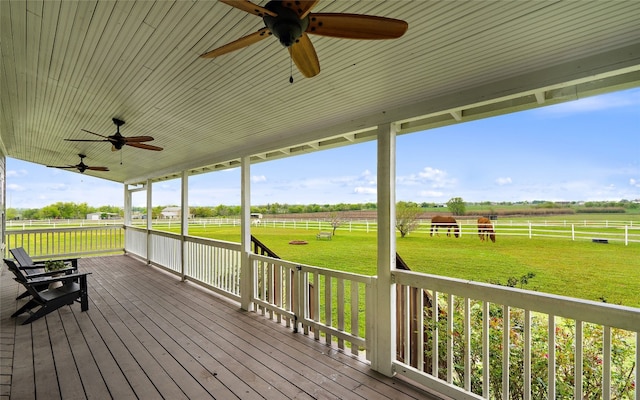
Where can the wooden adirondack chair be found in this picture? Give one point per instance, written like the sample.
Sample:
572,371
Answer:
21,276
45,300
24,259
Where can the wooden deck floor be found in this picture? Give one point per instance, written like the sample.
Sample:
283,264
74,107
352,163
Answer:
147,335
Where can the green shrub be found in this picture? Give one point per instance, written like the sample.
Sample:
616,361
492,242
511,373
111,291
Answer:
622,350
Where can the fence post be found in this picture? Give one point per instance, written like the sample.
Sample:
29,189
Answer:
529,230
573,233
626,235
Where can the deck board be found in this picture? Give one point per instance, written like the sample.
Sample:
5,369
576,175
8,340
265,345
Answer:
149,335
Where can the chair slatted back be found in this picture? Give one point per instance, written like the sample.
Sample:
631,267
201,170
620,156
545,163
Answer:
21,256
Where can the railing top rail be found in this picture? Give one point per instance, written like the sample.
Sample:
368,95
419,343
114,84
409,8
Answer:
69,229
616,316
217,242
323,271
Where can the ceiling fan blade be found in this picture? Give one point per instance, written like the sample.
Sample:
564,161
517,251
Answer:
304,56
302,8
238,44
138,139
93,133
355,26
98,168
144,146
86,140
61,166
249,7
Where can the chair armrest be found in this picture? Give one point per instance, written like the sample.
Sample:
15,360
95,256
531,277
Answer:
49,279
66,271
32,266
40,264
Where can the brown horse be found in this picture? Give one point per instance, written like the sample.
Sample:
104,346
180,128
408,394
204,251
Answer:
445,222
485,229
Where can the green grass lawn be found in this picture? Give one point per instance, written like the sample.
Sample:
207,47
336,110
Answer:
609,272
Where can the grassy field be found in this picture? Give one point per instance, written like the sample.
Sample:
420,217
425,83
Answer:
600,272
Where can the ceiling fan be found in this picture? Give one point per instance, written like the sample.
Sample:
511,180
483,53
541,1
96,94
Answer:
118,141
292,21
80,167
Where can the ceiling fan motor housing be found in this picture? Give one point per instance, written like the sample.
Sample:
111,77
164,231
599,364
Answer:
117,140
287,26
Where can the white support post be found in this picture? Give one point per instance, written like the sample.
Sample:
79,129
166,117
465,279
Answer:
383,342
149,219
127,205
184,226
246,275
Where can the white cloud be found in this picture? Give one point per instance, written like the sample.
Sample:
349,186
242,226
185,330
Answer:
365,190
258,178
430,193
17,173
431,177
634,182
504,181
15,187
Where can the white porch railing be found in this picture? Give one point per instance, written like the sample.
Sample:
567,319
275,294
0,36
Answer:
165,250
67,242
329,304
463,339
136,241
214,264
483,341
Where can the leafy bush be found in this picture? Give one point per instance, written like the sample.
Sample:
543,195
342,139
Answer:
622,351
54,265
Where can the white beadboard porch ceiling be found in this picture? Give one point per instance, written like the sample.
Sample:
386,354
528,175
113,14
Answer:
72,65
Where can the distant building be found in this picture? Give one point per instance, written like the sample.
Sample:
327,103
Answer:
102,215
172,213
256,218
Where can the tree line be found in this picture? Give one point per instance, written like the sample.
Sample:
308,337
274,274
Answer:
455,205
62,210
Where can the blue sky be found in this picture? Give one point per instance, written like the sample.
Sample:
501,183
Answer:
587,149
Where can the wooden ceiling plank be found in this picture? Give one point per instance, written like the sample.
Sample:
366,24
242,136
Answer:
10,88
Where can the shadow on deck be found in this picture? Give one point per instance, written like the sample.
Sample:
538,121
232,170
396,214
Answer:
148,335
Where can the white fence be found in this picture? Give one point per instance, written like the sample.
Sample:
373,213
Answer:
615,231
604,230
